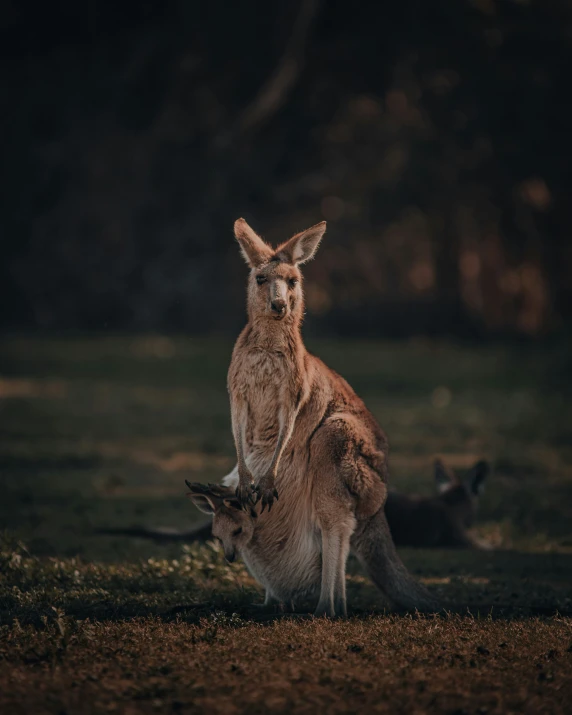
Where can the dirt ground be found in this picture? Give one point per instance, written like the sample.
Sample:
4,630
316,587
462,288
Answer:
99,433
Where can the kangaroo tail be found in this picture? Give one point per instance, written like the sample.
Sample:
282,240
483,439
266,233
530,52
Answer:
375,549
163,534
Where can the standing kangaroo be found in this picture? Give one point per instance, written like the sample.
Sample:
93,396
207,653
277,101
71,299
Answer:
302,434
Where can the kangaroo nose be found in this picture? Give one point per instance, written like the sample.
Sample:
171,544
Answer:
278,306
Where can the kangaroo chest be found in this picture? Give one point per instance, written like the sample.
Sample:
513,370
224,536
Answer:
263,381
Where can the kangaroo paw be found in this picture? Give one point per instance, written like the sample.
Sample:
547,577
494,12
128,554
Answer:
267,493
246,494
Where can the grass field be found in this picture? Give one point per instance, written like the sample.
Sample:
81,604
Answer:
102,433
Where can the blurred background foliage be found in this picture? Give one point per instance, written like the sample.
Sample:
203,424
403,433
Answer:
434,137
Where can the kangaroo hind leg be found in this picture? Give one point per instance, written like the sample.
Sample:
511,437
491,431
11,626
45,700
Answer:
335,551
338,484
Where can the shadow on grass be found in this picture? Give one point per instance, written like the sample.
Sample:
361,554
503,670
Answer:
198,584
196,612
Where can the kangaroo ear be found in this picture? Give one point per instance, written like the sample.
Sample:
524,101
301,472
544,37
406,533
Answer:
476,477
203,503
443,477
202,497
252,247
302,247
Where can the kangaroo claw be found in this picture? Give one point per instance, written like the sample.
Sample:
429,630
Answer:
267,497
246,495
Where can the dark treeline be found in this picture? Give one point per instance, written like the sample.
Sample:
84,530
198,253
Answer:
433,136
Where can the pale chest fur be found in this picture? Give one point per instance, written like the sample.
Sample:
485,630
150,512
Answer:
255,373
263,381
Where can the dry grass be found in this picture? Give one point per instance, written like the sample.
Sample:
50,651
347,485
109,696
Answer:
222,665
103,432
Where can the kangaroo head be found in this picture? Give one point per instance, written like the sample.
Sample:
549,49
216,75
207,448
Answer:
232,526
275,282
461,494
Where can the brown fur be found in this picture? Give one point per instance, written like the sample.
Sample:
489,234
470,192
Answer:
290,570
441,521
302,433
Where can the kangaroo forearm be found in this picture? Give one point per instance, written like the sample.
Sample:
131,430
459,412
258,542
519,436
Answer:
281,444
239,446
238,417
284,435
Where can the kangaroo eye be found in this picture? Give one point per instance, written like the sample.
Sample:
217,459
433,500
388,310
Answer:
260,280
237,532
293,282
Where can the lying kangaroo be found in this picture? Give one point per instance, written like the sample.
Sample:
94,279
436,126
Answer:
302,433
440,521
282,565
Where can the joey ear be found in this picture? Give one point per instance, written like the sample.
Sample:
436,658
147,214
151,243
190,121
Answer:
302,247
254,250
477,475
202,497
203,503
443,477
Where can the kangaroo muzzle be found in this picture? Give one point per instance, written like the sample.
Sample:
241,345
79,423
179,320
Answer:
278,299
278,307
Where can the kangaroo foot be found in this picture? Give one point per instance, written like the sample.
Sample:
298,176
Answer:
324,611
